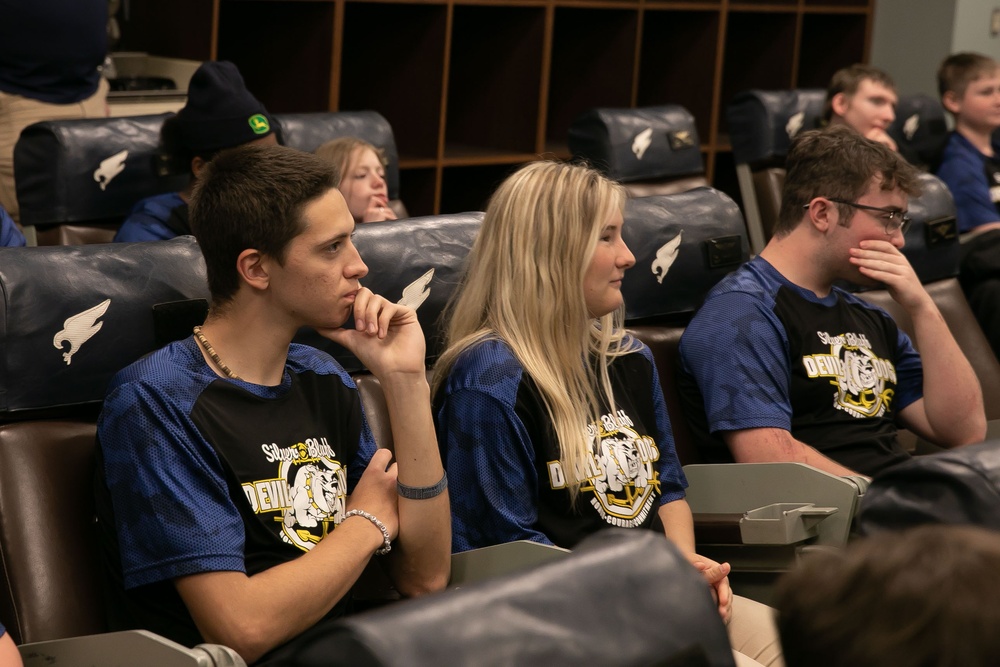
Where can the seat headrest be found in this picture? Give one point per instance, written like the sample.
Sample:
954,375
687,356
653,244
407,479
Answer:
959,486
546,615
308,131
762,123
72,316
932,244
638,144
91,169
683,245
920,129
418,261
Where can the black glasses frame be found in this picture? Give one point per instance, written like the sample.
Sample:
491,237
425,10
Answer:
893,220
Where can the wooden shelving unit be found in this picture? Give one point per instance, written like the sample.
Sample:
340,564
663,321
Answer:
473,88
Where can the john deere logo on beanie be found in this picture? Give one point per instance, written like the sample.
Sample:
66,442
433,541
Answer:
259,124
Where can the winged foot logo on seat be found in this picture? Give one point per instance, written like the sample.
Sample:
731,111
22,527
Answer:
78,329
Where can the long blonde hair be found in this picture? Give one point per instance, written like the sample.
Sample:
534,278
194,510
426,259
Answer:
524,285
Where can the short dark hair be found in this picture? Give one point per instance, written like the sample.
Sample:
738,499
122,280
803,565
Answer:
925,596
838,162
252,196
958,70
847,80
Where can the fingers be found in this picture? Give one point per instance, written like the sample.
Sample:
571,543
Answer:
373,313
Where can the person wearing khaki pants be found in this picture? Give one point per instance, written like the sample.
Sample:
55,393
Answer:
49,70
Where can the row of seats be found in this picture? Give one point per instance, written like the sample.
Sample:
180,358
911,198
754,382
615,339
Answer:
78,179
102,306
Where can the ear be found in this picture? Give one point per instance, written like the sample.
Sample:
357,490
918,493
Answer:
951,101
822,214
253,267
839,103
197,164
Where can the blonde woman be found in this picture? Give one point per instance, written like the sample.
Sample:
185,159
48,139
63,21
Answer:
550,416
361,173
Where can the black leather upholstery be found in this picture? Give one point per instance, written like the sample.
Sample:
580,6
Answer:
73,316
762,123
90,170
920,129
690,241
623,597
652,150
960,486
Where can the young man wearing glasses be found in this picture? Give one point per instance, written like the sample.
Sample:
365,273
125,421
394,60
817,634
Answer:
781,365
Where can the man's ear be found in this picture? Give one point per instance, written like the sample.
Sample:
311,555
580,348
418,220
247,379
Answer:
839,104
822,214
253,267
951,101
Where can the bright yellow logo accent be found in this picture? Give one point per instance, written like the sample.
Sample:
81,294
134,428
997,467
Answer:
259,124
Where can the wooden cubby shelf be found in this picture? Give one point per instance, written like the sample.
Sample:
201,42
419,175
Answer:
473,88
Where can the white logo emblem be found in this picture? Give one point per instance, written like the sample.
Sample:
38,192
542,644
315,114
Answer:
795,124
641,142
110,167
666,256
865,383
80,328
911,125
417,292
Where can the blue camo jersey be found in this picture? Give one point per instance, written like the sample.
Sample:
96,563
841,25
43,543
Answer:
504,475
148,219
205,474
974,182
10,235
765,353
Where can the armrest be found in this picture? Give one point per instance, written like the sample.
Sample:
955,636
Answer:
132,648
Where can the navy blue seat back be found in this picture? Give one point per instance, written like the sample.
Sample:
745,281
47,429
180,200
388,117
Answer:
683,245
920,129
73,316
652,150
90,170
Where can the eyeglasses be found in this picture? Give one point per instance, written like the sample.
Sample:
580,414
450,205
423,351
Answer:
892,219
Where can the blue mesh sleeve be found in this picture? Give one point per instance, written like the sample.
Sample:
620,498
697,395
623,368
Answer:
172,508
737,351
491,473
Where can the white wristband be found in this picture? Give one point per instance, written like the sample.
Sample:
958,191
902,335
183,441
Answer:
378,524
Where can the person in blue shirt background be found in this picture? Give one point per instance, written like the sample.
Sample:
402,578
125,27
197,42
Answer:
220,113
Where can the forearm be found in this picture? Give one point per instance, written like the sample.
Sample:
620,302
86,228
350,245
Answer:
774,445
953,399
421,559
678,524
255,614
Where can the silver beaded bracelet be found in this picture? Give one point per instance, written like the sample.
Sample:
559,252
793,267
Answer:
378,524
422,492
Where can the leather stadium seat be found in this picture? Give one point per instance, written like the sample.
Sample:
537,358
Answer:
920,130
63,338
762,124
308,131
650,150
78,179
654,610
683,244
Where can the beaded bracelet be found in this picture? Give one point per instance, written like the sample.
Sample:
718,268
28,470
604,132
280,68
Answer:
378,524
422,492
